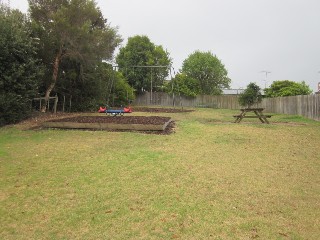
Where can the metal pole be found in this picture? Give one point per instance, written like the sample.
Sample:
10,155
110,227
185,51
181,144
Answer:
55,104
64,102
265,81
172,87
151,88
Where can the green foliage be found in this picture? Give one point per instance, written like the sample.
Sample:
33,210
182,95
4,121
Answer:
140,51
98,86
123,93
182,84
76,26
251,95
287,88
19,68
74,31
208,70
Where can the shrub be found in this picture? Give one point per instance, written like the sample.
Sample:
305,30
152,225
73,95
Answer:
250,96
19,69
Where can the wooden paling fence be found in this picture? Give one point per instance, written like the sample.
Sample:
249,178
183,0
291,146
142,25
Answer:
304,105
307,105
164,99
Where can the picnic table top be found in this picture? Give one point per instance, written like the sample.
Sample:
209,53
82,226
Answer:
252,109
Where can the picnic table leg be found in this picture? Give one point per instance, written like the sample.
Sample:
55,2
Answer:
237,120
265,119
242,114
259,116
262,118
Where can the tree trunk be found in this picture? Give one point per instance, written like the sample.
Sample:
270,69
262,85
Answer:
56,64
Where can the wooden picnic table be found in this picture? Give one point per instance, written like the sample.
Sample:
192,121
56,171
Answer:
258,114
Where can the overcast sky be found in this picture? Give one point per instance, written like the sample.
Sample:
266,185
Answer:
248,36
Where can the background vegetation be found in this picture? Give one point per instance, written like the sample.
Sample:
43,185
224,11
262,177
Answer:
144,64
20,68
250,96
287,88
208,71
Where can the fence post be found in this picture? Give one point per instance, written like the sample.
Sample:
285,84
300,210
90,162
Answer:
55,104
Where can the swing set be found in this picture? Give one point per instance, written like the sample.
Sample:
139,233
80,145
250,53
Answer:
115,112
121,112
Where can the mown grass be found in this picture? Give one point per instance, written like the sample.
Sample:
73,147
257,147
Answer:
211,179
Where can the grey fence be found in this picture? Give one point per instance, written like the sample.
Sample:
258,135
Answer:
164,99
308,105
304,105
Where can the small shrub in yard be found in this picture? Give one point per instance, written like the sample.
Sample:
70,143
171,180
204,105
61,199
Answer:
250,96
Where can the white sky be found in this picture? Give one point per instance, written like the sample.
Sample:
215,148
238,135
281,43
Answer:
249,36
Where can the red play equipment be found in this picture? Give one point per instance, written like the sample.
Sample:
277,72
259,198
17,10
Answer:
102,109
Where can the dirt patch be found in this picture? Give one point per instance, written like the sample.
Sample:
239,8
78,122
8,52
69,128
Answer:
38,118
36,121
113,123
153,120
160,110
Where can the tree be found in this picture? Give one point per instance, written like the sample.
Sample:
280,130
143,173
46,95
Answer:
74,29
98,85
133,61
110,87
20,69
250,96
123,93
208,70
182,84
287,88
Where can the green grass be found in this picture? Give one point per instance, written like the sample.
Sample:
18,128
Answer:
212,179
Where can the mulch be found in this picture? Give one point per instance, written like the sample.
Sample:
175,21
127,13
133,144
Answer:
152,120
35,122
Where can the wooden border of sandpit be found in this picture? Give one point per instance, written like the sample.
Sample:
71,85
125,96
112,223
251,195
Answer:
107,126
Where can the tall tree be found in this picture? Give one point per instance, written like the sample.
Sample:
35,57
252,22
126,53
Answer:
287,88
136,59
182,84
208,70
74,29
20,69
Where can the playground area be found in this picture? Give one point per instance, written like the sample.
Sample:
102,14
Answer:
210,179
134,123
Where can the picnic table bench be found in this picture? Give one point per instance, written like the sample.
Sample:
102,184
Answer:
258,114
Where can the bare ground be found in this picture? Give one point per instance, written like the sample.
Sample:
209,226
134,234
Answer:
35,122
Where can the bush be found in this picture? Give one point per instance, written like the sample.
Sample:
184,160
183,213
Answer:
19,69
287,88
250,96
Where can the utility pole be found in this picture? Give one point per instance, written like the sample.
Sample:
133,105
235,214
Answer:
151,87
151,72
319,84
265,80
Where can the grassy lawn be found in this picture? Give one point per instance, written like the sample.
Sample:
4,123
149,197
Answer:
211,179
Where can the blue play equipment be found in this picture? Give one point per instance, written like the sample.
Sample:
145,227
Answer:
115,112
